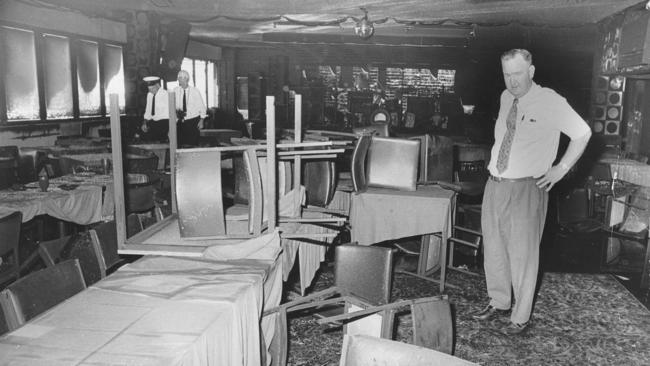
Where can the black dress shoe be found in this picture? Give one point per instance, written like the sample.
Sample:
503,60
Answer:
515,328
488,312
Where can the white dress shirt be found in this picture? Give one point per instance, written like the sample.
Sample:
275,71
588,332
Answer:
542,115
162,106
194,101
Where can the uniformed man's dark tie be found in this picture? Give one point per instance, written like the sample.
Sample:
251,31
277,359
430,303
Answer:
184,102
504,151
153,105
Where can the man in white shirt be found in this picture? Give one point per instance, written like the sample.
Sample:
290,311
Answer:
156,114
190,109
526,137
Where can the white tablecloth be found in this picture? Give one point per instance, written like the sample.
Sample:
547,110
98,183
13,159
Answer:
158,311
83,205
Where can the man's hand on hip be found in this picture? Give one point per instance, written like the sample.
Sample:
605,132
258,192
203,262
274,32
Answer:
552,176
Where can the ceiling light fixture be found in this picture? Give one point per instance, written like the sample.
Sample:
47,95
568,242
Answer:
364,27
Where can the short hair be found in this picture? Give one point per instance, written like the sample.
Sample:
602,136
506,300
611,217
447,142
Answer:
183,73
525,54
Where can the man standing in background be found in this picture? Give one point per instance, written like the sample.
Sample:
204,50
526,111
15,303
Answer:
190,110
156,114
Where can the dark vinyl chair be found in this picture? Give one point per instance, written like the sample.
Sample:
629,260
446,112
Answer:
8,172
361,273
104,236
69,165
143,164
30,164
80,247
319,178
9,240
39,291
10,151
362,285
358,163
140,197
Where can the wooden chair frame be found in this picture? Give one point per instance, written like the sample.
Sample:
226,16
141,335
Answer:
146,242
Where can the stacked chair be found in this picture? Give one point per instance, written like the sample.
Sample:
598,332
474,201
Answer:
360,302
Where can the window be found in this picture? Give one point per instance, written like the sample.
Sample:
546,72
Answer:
88,78
20,74
202,76
67,81
114,75
58,73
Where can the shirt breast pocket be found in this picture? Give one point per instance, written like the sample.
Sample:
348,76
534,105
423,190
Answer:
531,126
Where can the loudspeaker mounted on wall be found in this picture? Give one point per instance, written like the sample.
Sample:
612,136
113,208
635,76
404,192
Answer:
173,42
598,127
614,98
612,127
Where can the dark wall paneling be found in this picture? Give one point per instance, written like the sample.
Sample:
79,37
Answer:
141,55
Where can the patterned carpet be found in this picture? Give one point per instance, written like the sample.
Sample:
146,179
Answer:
578,319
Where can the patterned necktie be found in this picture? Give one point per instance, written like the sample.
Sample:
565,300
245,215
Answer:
504,151
153,105
184,102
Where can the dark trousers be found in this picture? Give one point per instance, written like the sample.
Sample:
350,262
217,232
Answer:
158,130
188,132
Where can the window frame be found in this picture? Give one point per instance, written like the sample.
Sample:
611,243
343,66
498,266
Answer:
74,40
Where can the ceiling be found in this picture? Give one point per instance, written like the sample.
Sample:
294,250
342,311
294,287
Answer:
427,23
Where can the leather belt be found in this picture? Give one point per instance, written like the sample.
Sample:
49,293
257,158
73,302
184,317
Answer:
501,179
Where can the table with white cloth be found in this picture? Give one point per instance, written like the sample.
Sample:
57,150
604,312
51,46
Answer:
82,205
161,311
89,202
383,214
310,256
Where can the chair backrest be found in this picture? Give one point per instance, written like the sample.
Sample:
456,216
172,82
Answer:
104,236
69,165
319,179
10,151
133,225
140,197
141,163
80,247
8,172
433,325
4,326
200,201
393,163
423,160
31,162
358,163
9,239
39,291
362,350
364,271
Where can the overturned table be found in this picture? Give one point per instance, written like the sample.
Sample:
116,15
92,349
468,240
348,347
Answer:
385,214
